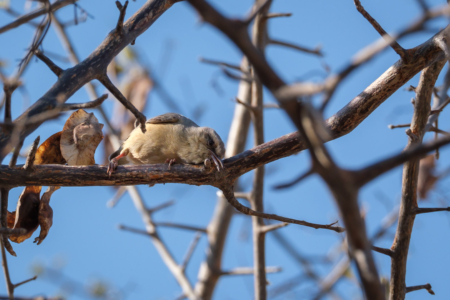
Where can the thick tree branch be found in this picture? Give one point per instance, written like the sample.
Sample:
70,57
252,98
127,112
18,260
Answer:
400,246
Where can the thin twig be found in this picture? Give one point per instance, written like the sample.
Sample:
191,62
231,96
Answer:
247,211
384,251
161,206
397,48
25,281
190,251
316,51
420,287
53,67
269,228
37,13
425,210
220,63
122,9
295,181
249,271
277,15
16,153
119,96
29,164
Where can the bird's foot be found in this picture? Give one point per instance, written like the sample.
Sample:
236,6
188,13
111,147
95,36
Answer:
207,163
170,162
217,161
113,163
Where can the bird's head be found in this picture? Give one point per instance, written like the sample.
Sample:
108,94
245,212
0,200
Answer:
214,146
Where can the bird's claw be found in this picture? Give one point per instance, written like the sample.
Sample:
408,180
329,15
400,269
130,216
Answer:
170,162
217,161
113,163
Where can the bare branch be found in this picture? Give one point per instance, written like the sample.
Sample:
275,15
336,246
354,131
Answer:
25,281
55,69
249,271
422,210
117,196
397,48
384,251
316,51
269,228
190,251
29,164
115,91
277,15
161,206
122,9
222,64
91,104
420,287
247,211
37,13
8,88
180,226
398,126
16,153
295,181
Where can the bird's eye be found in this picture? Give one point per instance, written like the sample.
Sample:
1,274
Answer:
210,142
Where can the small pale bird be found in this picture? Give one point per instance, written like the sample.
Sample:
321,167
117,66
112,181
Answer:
170,138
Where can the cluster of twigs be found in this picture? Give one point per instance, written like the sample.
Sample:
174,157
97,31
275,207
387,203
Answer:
312,134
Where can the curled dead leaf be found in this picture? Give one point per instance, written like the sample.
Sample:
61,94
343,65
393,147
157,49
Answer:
26,214
80,137
45,214
427,177
49,152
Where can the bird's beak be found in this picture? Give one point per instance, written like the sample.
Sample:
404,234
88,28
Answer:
217,161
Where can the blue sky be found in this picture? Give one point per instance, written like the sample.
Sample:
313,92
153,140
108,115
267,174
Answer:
84,240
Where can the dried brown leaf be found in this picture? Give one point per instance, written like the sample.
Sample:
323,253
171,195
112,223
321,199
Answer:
80,137
49,152
27,213
427,177
45,214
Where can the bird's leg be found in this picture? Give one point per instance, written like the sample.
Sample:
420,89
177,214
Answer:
170,162
217,161
114,162
207,163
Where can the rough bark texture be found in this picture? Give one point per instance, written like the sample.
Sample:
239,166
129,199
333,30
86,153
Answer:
402,239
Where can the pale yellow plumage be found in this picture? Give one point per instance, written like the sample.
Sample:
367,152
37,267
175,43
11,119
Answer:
170,137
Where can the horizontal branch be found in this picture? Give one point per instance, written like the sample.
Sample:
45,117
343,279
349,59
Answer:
384,251
420,287
420,210
249,271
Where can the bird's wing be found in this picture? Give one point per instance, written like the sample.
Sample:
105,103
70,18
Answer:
171,118
166,118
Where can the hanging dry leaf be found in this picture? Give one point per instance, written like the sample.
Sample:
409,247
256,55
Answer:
80,137
427,177
26,214
45,214
49,152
